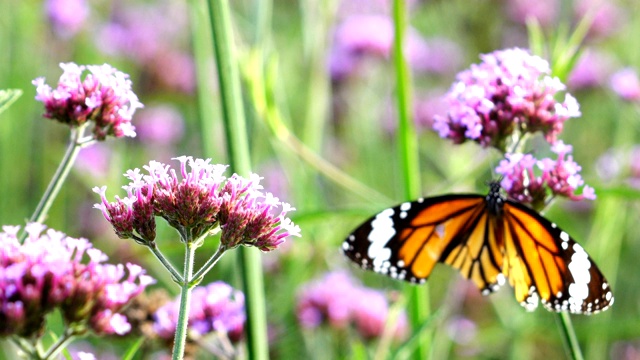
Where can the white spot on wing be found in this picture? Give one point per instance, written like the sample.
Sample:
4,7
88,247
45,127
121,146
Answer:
579,268
382,231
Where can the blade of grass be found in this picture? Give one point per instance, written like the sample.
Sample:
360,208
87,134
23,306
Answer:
238,152
418,296
7,97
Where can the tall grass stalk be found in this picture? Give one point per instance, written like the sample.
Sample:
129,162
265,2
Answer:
238,152
418,296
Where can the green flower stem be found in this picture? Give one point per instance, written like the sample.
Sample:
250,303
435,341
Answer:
24,345
185,299
166,263
418,296
571,341
209,264
238,151
59,177
67,337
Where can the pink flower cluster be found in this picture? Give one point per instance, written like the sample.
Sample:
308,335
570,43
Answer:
369,35
340,301
196,203
626,84
52,271
216,307
103,97
528,180
509,91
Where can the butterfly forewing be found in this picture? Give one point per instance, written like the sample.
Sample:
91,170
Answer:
487,239
406,241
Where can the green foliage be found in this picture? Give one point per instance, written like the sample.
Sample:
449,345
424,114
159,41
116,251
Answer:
7,97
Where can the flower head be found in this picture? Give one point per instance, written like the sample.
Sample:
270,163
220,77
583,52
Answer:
215,308
591,70
67,16
528,180
196,202
545,11
340,301
509,91
626,84
161,124
52,271
371,35
104,97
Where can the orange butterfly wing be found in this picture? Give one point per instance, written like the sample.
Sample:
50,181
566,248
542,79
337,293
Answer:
487,239
543,261
405,242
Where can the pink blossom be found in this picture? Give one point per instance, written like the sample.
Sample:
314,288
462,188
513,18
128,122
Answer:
530,181
509,92
67,16
543,11
215,308
104,98
340,301
196,202
53,271
626,84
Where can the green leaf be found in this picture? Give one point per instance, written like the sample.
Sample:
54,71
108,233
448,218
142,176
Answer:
133,349
7,97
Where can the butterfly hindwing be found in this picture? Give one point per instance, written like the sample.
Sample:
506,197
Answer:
543,261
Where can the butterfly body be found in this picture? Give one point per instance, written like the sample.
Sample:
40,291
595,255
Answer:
489,239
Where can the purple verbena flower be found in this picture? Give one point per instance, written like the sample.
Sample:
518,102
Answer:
67,16
544,12
626,84
530,181
509,91
152,36
591,70
362,35
215,308
338,300
196,202
607,16
104,97
371,313
53,271
160,124
95,160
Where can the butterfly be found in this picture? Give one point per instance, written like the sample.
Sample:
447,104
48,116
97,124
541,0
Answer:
488,239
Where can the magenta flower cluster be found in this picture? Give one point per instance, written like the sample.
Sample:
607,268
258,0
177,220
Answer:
104,97
53,271
509,91
529,180
626,84
197,202
216,307
338,300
